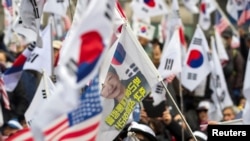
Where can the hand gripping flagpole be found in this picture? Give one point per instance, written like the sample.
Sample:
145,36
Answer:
179,111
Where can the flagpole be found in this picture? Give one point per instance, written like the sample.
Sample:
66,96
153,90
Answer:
181,103
224,15
179,111
53,77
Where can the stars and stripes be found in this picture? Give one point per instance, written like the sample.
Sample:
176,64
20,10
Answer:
245,16
4,95
220,22
83,122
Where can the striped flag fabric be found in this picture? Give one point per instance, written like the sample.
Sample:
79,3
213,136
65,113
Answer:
4,95
245,15
8,5
221,23
21,135
81,123
12,75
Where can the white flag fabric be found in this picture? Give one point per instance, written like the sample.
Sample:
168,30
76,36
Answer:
130,70
45,88
191,5
235,41
81,6
13,74
150,8
173,20
197,62
170,62
222,54
95,38
233,8
143,29
158,93
206,8
28,22
58,7
87,38
41,58
218,81
246,92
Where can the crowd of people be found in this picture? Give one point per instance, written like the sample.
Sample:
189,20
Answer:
195,104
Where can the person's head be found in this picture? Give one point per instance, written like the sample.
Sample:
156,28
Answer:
227,36
242,102
140,131
248,40
200,136
11,127
229,113
17,44
3,60
202,110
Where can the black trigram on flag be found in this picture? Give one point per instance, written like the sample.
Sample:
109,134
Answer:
133,69
160,6
108,13
222,96
145,9
44,94
197,41
58,1
192,76
217,82
169,64
71,66
159,88
209,55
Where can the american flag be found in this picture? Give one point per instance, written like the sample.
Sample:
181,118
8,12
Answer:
4,95
8,5
245,16
80,124
83,122
21,135
220,22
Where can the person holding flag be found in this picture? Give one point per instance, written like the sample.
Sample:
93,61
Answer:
233,70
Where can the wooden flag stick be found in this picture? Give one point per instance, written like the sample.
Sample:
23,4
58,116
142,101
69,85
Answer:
179,111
